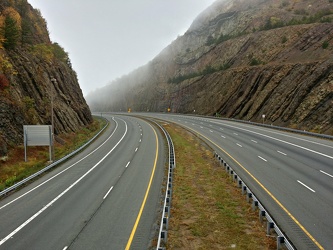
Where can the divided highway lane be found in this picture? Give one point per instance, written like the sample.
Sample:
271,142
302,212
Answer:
291,174
100,199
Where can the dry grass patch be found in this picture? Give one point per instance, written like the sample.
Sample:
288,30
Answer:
208,210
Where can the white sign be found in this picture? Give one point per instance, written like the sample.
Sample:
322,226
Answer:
37,135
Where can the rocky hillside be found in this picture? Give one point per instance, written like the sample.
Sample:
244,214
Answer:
28,61
241,59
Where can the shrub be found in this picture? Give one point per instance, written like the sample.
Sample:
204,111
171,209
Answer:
4,82
254,61
325,45
43,51
285,3
59,52
301,12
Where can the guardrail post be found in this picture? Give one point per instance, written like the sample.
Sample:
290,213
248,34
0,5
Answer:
235,177
244,190
166,223
262,214
169,193
270,225
167,210
164,235
254,205
240,183
280,242
168,201
248,197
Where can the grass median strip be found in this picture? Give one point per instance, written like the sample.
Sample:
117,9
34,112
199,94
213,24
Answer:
208,210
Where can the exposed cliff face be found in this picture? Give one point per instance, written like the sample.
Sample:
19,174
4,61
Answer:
28,61
241,59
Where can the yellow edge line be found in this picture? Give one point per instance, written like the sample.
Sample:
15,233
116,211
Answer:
129,243
267,191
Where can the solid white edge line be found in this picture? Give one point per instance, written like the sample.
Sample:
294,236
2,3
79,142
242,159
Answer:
60,195
62,170
106,195
306,186
262,158
326,173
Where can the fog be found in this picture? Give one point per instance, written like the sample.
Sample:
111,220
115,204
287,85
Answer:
108,39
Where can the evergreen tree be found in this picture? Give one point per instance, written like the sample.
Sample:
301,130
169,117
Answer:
11,33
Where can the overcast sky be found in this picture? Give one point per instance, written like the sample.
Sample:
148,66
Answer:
106,39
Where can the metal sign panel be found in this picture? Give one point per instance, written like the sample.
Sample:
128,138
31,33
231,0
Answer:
38,135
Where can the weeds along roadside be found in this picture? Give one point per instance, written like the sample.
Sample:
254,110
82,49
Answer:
208,211
13,168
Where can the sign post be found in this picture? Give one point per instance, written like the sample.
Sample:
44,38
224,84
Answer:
37,135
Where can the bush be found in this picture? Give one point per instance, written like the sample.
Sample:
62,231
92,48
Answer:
325,45
254,61
4,82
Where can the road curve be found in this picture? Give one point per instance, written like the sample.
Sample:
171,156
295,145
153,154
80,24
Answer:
106,197
291,174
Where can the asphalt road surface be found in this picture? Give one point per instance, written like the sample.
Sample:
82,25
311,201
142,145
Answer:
291,174
106,197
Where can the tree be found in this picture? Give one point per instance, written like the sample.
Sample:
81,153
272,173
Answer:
11,33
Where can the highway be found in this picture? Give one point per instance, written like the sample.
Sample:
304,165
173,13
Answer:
291,174
106,197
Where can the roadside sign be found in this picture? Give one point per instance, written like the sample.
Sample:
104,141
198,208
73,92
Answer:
37,135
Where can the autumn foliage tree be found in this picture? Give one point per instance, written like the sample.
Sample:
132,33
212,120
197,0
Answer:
10,28
4,82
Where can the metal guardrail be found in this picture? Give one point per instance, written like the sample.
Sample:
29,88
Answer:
20,183
281,239
163,232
